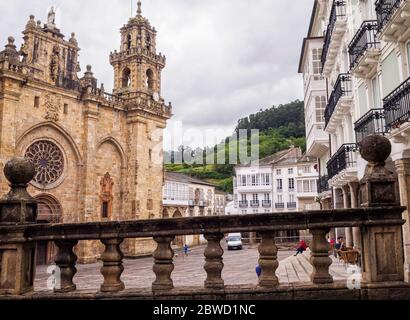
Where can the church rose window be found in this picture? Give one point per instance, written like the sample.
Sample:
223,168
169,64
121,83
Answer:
48,161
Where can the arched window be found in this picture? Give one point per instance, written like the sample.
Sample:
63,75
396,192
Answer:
150,79
129,42
126,78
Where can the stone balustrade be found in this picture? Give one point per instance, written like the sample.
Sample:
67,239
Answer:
380,226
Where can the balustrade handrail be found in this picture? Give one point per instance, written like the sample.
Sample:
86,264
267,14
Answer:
364,39
302,220
341,88
396,105
372,122
342,159
384,11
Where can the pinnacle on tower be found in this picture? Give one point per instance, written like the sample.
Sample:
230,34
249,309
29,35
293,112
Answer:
139,11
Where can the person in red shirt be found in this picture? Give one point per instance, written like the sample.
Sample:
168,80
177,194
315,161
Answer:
301,248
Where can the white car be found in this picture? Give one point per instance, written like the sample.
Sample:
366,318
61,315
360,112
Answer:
234,241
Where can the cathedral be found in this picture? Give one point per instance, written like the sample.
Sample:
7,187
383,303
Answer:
98,155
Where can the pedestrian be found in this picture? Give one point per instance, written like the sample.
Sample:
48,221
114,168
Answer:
258,270
301,248
340,245
186,249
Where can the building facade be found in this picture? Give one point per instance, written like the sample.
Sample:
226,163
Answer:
185,196
98,156
285,181
365,62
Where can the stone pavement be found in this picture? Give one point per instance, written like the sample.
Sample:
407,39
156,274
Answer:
239,269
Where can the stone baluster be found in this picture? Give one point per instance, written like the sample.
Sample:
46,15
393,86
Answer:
17,208
268,254
112,266
65,261
382,249
320,259
163,264
214,261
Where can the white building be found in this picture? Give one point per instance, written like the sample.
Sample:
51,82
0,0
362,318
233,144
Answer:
365,65
285,181
185,196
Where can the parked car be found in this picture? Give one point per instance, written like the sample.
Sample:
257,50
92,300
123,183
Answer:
234,241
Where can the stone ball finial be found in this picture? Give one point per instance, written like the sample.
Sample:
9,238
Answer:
375,148
32,17
89,67
11,40
19,171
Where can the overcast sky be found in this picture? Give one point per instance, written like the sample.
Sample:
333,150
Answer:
226,59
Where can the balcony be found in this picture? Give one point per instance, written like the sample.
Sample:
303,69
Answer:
317,142
280,205
323,184
343,165
373,122
291,205
340,102
333,38
266,203
243,204
393,17
364,50
397,108
254,204
203,203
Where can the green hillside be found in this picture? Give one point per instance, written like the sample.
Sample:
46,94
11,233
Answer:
279,128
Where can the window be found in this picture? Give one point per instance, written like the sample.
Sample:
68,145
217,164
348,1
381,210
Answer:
278,172
290,171
126,78
377,100
129,42
255,197
244,212
243,181
150,79
255,180
280,198
306,169
243,197
267,196
65,108
292,198
36,102
306,186
279,184
267,179
320,106
104,209
291,184
255,211
316,61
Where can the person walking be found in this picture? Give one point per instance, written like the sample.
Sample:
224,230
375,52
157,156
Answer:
186,249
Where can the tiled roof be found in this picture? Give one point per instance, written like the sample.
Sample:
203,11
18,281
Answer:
180,177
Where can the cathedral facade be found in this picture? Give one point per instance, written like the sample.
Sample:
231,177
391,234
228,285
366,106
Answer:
98,156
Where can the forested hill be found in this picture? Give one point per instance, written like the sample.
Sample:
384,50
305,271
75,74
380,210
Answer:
288,118
279,128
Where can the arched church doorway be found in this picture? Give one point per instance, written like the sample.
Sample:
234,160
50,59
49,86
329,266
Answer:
179,240
49,211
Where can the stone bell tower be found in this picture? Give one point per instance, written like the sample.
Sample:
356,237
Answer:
137,67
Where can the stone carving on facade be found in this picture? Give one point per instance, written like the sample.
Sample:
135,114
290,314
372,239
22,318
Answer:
54,63
106,194
52,103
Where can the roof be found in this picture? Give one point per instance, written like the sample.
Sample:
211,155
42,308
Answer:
305,159
276,157
183,178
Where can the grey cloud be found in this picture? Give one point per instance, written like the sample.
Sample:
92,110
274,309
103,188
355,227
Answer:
225,58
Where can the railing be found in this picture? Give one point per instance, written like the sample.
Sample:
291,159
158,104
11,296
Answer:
385,10
323,184
342,87
343,159
373,122
255,204
243,204
397,106
291,205
280,205
380,230
364,39
338,11
266,203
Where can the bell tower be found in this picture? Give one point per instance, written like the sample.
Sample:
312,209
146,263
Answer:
137,66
